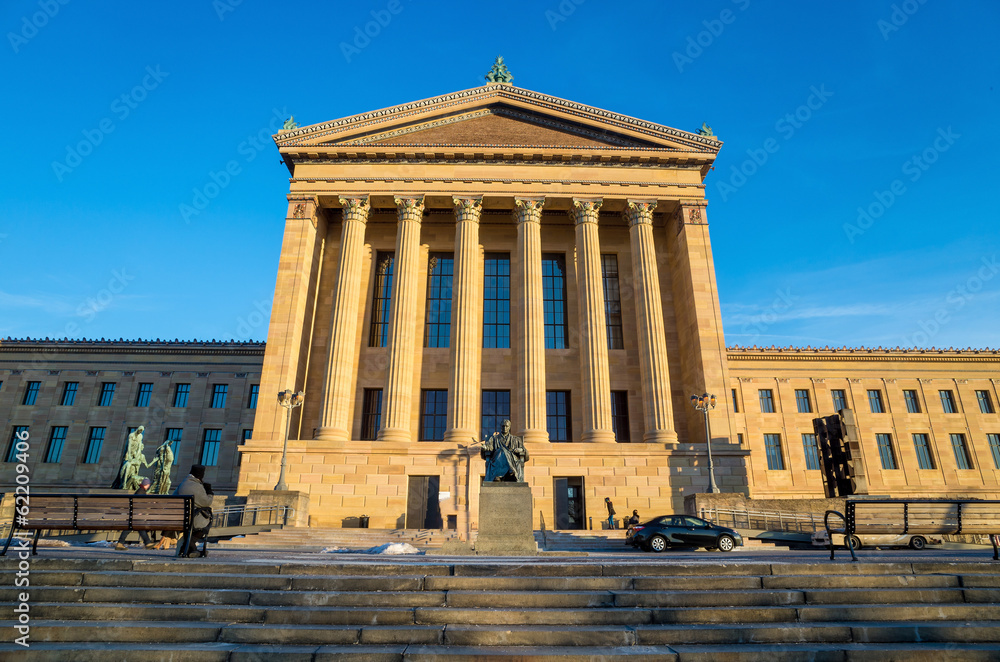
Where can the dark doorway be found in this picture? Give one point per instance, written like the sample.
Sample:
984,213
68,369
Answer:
570,512
423,509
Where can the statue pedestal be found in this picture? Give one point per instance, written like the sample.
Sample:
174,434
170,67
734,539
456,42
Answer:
505,520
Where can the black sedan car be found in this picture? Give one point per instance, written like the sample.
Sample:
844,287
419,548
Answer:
681,531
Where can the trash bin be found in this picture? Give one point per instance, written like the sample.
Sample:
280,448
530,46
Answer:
363,521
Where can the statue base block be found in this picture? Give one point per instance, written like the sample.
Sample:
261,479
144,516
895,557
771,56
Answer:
505,520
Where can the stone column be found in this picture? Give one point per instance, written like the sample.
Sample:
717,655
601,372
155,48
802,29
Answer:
657,407
466,325
397,399
595,375
338,391
531,324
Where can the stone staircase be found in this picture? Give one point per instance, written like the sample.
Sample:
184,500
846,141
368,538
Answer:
233,606
314,538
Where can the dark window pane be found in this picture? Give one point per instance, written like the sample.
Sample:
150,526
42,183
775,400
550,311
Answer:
736,404
766,401
12,451
219,396
924,458
31,393
875,401
557,415
802,401
94,443
912,402
885,453
107,394
839,399
772,446
554,300
811,451
437,329
210,448
371,414
69,394
619,416
994,440
56,441
985,402
378,335
496,300
174,437
496,410
612,301
433,415
254,392
181,395
948,402
962,457
145,392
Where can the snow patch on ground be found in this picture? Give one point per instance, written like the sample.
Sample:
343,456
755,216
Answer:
389,548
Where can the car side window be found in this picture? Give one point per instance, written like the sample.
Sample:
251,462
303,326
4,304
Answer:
694,521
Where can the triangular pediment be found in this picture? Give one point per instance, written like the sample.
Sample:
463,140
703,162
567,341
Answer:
497,115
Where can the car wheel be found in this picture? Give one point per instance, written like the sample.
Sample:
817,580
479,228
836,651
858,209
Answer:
726,543
916,542
658,543
855,542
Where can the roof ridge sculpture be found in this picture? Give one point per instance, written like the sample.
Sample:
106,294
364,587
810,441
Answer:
863,349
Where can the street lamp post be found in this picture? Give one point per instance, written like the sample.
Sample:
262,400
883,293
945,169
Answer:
703,403
289,401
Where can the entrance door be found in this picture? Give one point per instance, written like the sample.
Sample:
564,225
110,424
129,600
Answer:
569,504
423,509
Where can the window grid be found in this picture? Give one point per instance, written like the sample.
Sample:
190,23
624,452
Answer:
94,442
885,453
994,440
247,436
56,441
371,414
612,301
962,457
496,410
875,401
378,335
811,451
254,392
12,448
922,445
219,396
772,447
145,393
174,436
948,402
985,402
69,394
554,300
210,447
107,394
619,416
766,401
839,399
181,395
802,401
433,414
736,404
31,393
437,332
912,402
496,300
557,415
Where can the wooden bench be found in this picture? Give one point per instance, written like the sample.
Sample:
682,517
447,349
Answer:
916,516
103,512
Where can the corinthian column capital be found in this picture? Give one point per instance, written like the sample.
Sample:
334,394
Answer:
410,209
640,212
528,210
355,208
586,211
467,209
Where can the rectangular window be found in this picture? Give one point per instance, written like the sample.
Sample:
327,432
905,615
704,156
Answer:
174,436
181,395
766,401
12,448
378,335
437,331
924,458
371,414
994,440
839,399
107,394
145,392
985,402
210,448
811,451
619,416
736,404
557,419
219,396
496,300
69,394
948,402
802,401
554,300
247,435
962,456
496,410
772,446
885,452
254,392
56,441
94,443
912,402
433,414
31,393
612,301
875,401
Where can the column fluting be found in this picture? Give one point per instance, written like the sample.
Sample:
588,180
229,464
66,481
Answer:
531,321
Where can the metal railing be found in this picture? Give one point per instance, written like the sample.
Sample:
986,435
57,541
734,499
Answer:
773,520
252,516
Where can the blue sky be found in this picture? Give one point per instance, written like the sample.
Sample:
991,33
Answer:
852,204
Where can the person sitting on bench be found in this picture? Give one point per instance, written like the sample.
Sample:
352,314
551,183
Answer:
202,493
120,545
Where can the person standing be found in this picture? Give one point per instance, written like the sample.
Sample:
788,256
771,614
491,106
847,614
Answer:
611,512
120,545
193,486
